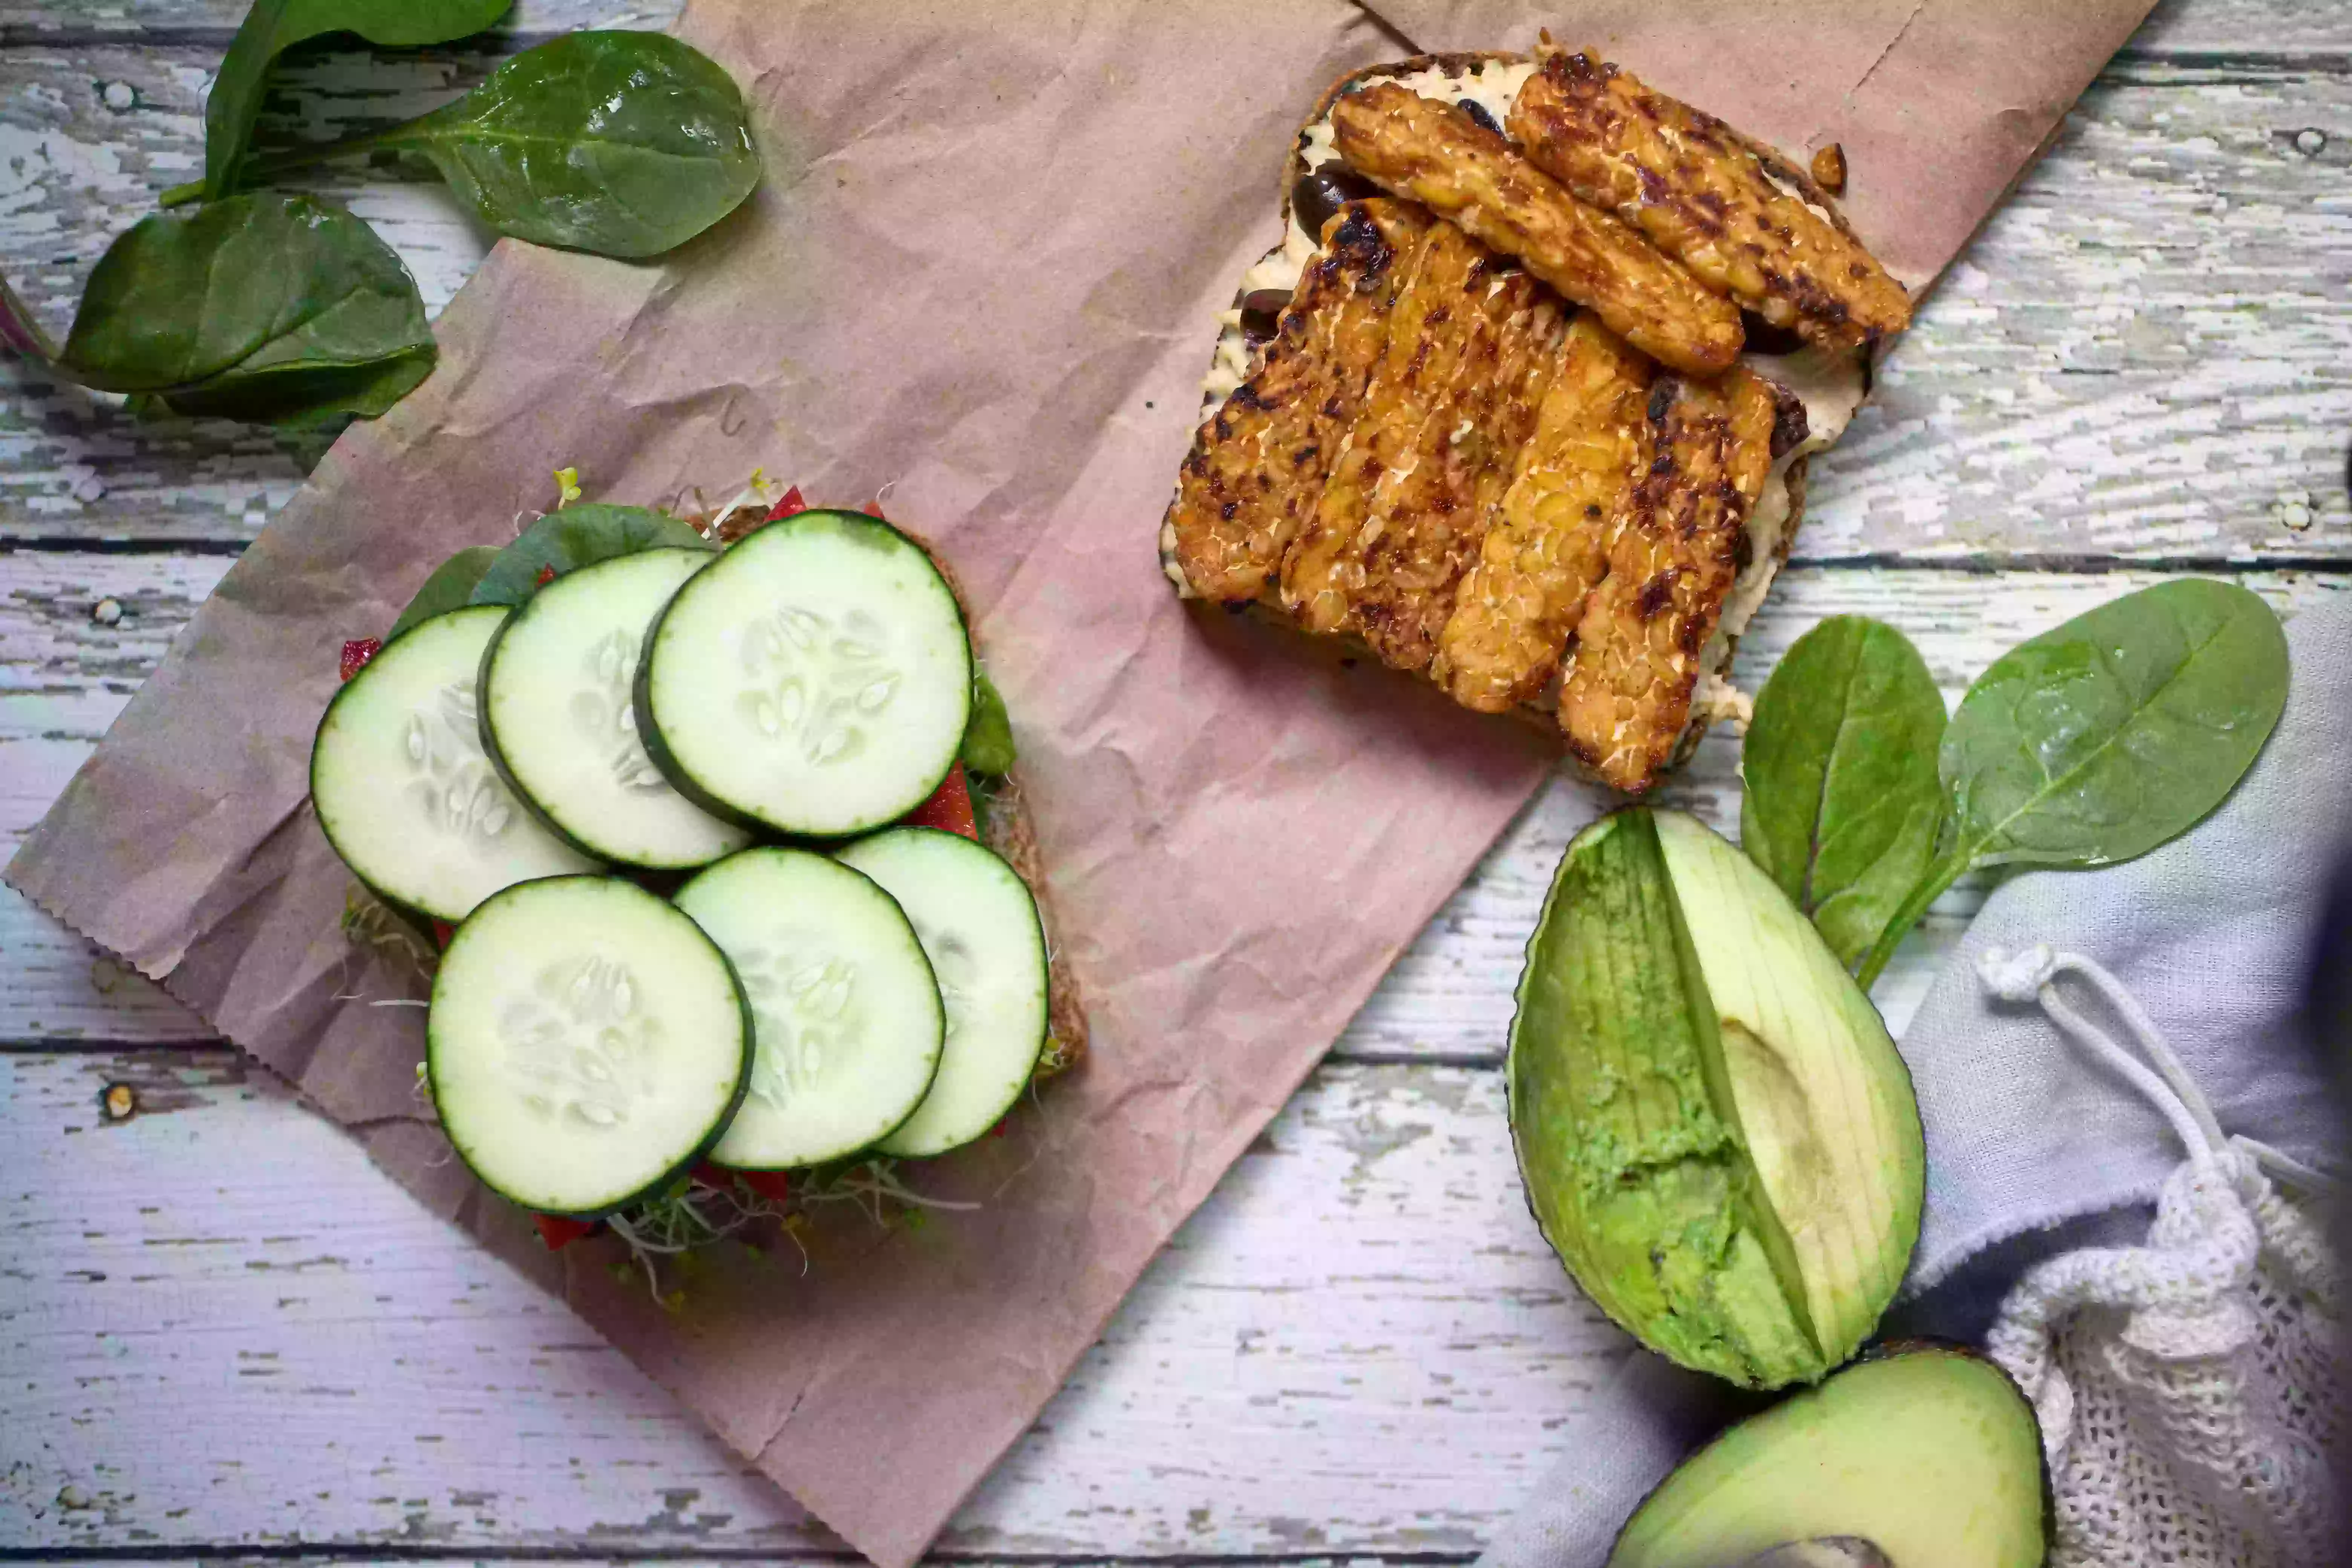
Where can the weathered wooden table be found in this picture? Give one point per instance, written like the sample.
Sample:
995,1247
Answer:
222,1332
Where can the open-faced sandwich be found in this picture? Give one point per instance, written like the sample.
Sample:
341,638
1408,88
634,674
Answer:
715,820
1523,400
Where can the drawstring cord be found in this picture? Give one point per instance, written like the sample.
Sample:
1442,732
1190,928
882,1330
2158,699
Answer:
2162,1079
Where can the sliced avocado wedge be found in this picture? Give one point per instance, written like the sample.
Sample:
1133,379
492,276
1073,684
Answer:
1714,1131
1929,1454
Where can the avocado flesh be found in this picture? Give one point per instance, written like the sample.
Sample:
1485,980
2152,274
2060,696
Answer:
1931,1455
1715,1132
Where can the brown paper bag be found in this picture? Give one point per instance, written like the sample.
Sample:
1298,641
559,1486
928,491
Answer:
981,273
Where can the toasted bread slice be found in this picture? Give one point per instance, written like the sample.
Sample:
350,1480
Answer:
1499,642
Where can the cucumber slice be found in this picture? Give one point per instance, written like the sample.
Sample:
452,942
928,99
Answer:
586,1044
561,725
815,679
846,1018
403,788
979,924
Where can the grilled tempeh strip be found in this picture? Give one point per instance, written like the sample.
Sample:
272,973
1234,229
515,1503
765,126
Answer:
1705,450
1437,154
1431,509
1549,548
1688,182
1471,347
1258,464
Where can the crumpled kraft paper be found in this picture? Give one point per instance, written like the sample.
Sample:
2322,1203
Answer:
981,273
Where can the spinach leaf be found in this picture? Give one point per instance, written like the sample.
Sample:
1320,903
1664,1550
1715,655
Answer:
2097,742
272,26
988,734
2118,731
451,587
621,144
264,306
1842,802
576,537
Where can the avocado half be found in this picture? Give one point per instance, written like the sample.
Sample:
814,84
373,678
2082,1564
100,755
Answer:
1714,1131
1929,1454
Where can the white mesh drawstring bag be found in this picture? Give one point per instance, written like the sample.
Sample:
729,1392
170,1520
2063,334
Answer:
2186,1387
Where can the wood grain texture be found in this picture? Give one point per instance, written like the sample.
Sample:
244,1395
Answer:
1360,1344
2147,353
63,675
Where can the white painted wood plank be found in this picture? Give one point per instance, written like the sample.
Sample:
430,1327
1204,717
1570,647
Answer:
2148,351
2244,28
63,676
223,1327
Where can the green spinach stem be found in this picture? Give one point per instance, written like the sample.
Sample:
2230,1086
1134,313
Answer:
1940,876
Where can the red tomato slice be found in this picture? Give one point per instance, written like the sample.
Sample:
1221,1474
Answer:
950,808
792,503
773,1186
559,1231
356,653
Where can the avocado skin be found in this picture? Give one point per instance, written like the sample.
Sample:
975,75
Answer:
1972,1490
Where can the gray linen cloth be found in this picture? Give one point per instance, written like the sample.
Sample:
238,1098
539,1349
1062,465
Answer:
2031,1150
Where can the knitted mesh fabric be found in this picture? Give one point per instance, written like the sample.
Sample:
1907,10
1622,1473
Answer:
2186,1388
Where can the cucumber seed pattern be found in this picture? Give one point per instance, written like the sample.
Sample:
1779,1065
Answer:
604,714
819,679
452,783
953,967
803,1005
576,1047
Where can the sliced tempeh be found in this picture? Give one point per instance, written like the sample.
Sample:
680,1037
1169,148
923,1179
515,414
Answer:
585,1046
1705,449
1694,187
1518,604
1471,347
404,789
1258,464
557,714
1437,154
1431,509
846,1017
